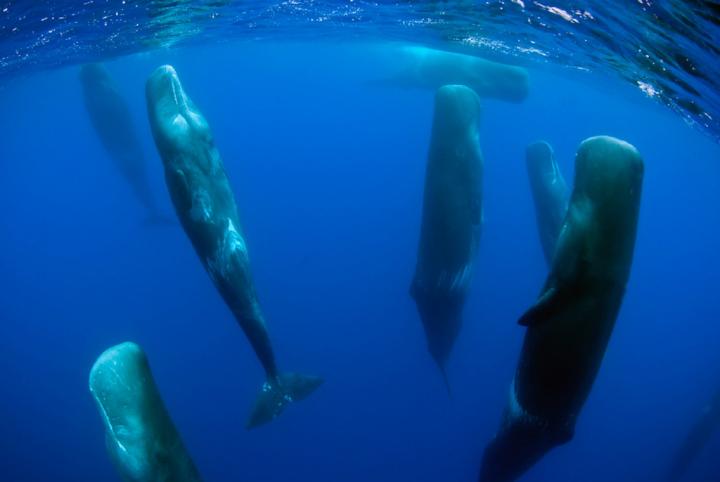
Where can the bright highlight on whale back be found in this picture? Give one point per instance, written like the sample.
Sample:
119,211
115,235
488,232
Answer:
141,438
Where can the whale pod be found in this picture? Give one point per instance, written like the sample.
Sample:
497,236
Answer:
451,219
569,326
140,435
205,205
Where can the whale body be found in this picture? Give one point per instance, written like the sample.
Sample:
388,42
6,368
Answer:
569,326
111,119
205,205
451,219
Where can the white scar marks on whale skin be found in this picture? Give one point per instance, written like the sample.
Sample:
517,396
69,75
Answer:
454,282
221,264
124,432
201,210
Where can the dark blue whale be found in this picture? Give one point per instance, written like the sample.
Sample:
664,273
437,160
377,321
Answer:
451,219
110,116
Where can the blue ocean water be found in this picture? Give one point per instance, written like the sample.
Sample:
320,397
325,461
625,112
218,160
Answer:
327,170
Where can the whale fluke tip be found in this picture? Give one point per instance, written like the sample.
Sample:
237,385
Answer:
276,394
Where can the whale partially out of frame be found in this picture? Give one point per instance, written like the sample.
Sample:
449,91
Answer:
140,435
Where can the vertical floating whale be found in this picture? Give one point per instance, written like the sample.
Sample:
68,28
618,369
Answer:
550,194
140,435
110,116
451,218
696,439
569,326
205,205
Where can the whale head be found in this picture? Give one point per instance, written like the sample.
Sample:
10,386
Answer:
609,172
539,158
457,109
122,385
177,125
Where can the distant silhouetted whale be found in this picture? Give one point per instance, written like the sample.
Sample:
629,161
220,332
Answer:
139,434
697,437
205,204
113,123
569,326
451,219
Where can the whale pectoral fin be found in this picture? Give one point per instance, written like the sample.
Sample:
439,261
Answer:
547,304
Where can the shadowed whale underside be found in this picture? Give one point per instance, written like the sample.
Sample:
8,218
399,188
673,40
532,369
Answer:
140,436
550,194
110,116
569,326
205,205
451,217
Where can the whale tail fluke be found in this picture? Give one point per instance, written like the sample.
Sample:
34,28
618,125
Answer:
277,393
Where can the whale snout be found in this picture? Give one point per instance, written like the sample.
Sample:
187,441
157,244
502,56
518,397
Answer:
539,157
174,119
456,106
608,168
164,81
116,382
164,92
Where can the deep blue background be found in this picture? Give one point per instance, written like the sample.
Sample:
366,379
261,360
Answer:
328,174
